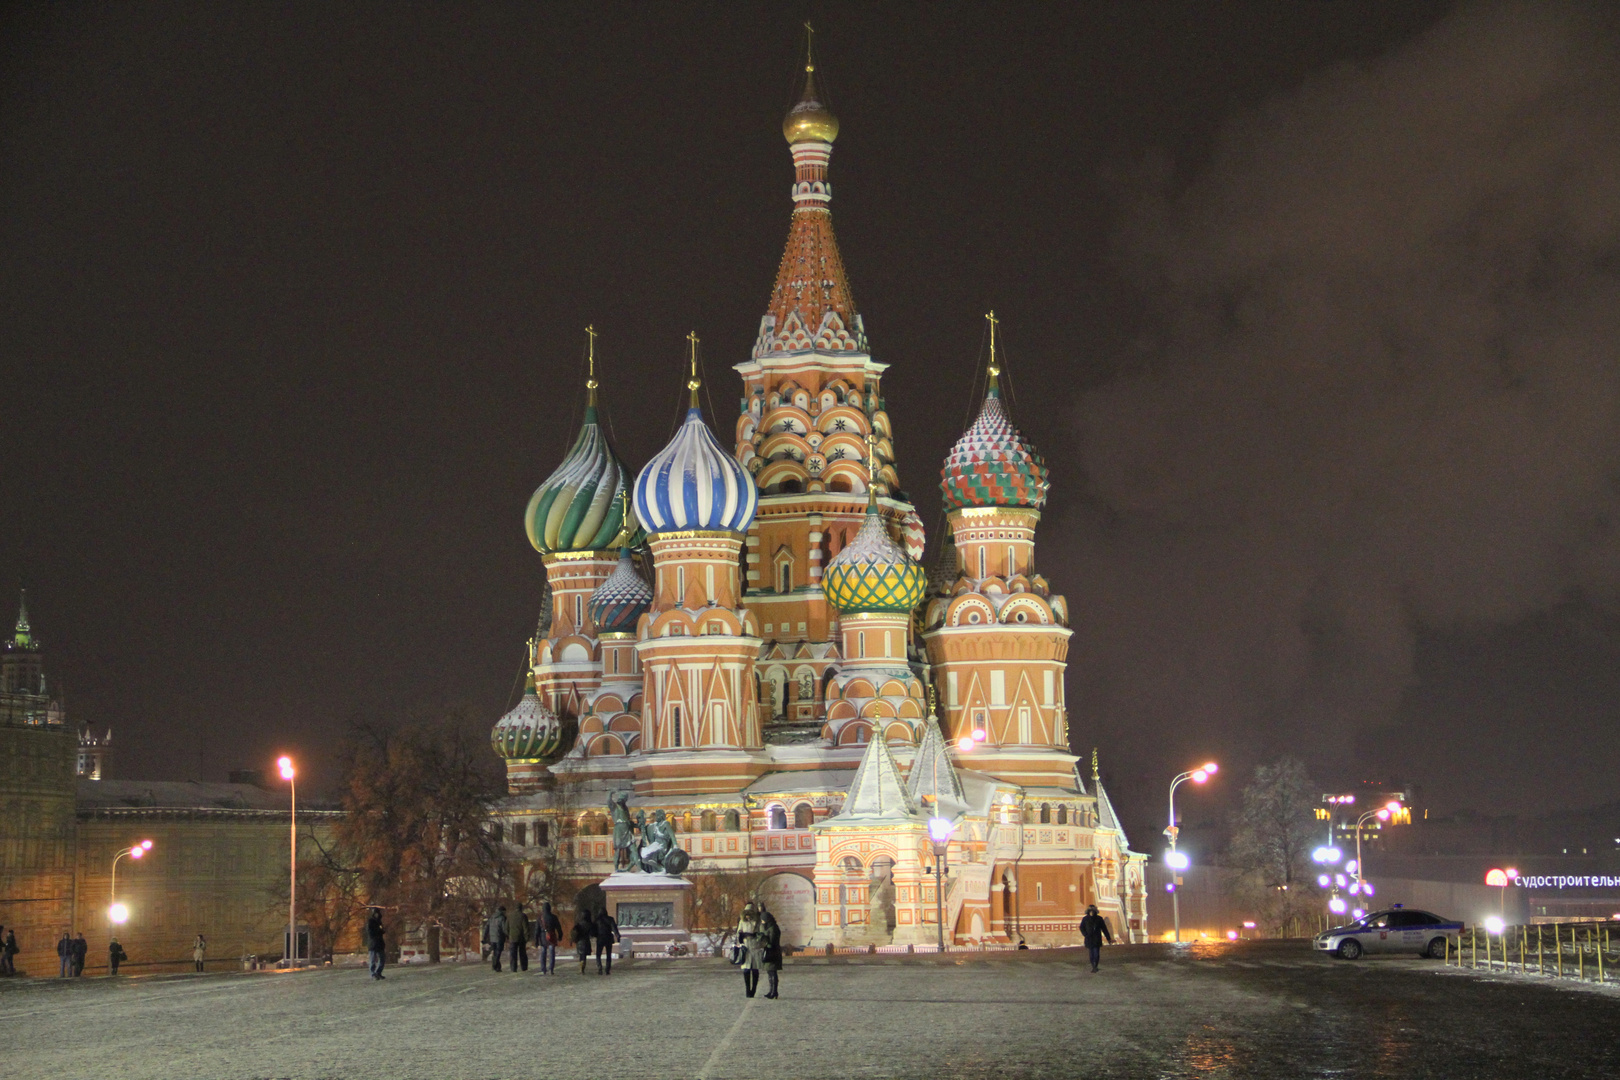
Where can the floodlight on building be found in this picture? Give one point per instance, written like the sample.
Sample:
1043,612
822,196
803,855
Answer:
1249,924
979,734
965,743
118,913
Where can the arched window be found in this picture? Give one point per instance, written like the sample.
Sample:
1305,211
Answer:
1046,813
786,579
733,821
706,821
686,821
1063,815
803,816
776,817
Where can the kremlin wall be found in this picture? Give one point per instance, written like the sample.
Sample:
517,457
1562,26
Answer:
743,639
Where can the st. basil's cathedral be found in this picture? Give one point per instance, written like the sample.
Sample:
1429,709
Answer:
745,640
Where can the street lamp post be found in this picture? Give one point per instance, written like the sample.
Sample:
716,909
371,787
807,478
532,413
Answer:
1175,861
117,912
939,831
288,773
1383,813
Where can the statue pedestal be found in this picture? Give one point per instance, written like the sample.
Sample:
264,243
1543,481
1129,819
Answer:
653,910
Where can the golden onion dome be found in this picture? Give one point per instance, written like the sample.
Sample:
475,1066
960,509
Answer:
809,120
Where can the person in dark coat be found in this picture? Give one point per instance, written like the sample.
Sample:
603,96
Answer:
584,932
115,956
770,939
517,926
1093,928
8,954
64,950
376,943
81,953
495,930
547,936
607,932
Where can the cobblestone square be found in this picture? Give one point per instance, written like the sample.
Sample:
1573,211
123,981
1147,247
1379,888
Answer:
1269,1009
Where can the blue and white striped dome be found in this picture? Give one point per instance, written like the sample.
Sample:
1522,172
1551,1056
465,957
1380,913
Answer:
694,484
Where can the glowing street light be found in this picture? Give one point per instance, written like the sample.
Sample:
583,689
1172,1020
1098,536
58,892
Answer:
1383,813
284,765
116,912
1494,925
939,831
1197,776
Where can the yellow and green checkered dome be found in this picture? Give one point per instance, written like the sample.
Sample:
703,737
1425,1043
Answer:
872,573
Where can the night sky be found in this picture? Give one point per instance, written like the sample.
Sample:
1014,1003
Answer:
1313,308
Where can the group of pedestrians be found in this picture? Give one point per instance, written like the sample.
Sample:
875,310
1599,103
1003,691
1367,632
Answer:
8,951
507,936
72,952
759,944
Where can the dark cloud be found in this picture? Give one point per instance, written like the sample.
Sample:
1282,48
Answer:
1377,409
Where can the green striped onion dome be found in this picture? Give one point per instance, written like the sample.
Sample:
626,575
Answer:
872,573
530,731
582,506
993,464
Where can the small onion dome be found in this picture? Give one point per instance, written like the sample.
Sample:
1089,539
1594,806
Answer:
530,731
809,120
993,464
871,573
581,506
694,484
620,600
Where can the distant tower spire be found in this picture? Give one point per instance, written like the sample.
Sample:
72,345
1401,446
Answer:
24,631
1096,772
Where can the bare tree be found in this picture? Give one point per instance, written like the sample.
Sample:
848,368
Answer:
417,800
718,897
1271,842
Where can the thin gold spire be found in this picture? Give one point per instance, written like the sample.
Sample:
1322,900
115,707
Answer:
995,368
809,48
590,378
693,382
871,465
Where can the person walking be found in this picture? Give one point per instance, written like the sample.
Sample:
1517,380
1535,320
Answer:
64,949
771,939
748,936
199,949
518,927
376,943
495,931
584,931
81,953
8,954
115,956
1093,928
607,933
547,936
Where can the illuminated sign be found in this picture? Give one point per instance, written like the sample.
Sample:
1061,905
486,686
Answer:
1568,881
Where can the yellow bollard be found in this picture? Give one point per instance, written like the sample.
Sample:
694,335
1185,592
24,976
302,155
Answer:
1541,960
1600,959
1473,948
1558,947
1580,955
1523,942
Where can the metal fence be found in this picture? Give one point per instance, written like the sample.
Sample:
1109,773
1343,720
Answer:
1560,950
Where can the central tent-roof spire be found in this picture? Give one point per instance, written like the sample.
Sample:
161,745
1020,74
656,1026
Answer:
811,307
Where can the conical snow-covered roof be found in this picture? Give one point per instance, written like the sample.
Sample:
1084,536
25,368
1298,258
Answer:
877,792
620,600
933,780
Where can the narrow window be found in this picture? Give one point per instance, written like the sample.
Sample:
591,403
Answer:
579,611
680,585
1012,566
1046,813
677,725
733,821
542,833
1063,815
981,563
520,834
1038,891
787,578
803,816
860,643
778,818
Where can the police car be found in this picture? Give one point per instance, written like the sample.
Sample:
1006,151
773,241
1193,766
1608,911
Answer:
1398,930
